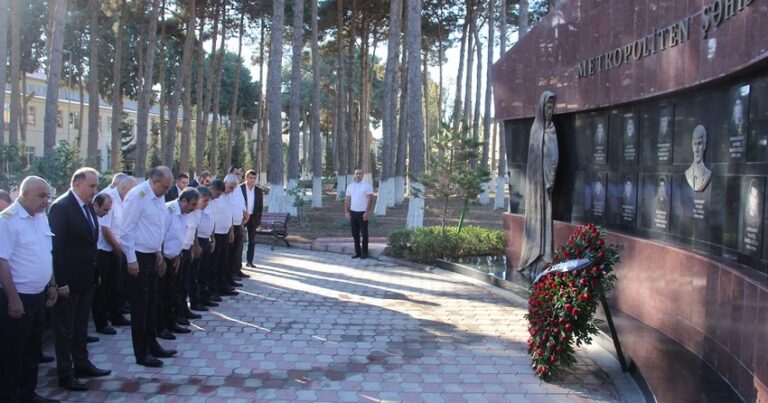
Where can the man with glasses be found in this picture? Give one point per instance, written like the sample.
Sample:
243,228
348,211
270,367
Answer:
357,204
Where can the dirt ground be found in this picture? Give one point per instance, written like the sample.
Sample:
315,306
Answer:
329,220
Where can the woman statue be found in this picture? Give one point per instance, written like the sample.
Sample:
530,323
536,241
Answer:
536,253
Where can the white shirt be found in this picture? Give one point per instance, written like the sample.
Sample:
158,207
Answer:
191,221
205,223
359,192
26,245
175,231
222,214
144,221
110,220
250,198
237,201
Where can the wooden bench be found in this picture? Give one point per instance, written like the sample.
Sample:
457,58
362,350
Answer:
275,225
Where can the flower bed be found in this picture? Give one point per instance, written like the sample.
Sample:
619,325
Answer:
562,305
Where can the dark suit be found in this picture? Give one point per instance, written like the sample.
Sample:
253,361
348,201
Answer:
74,260
254,221
172,193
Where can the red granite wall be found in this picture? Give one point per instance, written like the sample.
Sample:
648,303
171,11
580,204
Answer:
580,30
717,311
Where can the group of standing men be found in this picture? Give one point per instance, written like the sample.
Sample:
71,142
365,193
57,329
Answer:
167,248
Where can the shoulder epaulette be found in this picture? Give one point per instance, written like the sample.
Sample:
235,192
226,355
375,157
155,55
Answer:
171,208
9,212
142,193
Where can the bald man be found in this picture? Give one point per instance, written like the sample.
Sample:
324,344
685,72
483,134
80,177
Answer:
28,286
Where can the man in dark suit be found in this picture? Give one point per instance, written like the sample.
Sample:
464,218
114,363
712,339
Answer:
182,181
73,223
254,199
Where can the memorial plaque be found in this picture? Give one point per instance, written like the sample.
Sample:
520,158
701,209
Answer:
629,124
661,204
701,213
751,216
594,192
758,121
737,128
628,200
665,135
600,141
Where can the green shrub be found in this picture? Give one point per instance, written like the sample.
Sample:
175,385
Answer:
427,244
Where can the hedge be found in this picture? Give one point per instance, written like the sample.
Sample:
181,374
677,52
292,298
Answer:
427,244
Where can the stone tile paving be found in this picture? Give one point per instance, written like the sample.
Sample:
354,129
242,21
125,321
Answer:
315,326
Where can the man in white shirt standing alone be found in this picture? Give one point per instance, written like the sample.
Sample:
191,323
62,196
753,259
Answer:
357,204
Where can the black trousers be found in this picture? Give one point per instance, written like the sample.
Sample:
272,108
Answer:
181,307
199,276
251,226
236,252
166,303
142,294
107,302
220,263
359,227
70,325
20,342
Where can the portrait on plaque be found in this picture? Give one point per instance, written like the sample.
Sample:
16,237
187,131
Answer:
661,205
630,138
628,200
698,175
600,141
737,136
752,216
598,196
664,137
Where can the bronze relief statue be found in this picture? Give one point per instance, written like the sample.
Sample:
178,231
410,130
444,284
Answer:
536,253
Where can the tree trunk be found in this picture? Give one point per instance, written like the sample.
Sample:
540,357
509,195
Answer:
13,130
186,124
200,112
214,158
277,202
389,110
93,86
341,114
294,111
425,84
142,119
117,92
54,76
439,67
3,64
501,174
159,142
402,131
467,114
523,29
235,93
211,73
317,148
81,113
478,89
456,118
263,133
353,106
485,196
415,123
181,74
363,156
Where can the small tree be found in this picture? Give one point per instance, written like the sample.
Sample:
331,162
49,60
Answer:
451,176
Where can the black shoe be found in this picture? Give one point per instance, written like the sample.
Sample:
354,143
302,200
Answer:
182,321
106,330
178,329
209,303
91,372
364,256
91,339
75,385
215,298
166,335
44,359
229,293
234,283
249,264
356,256
192,315
200,307
35,398
163,353
242,274
149,361
121,321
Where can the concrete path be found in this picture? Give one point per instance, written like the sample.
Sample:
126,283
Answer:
317,326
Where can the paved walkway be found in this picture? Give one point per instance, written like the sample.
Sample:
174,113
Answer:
317,326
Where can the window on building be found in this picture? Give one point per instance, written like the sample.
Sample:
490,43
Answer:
7,114
59,120
74,120
32,116
30,153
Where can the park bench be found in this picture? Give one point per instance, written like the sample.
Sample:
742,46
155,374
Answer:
275,225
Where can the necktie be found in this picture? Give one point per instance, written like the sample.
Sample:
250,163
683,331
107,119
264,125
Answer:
88,216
